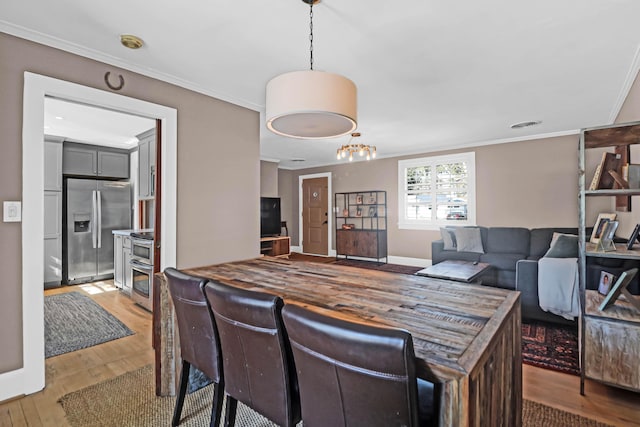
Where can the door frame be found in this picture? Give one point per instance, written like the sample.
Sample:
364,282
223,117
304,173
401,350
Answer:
301,178
31,377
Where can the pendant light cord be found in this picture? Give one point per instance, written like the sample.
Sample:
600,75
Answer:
311,34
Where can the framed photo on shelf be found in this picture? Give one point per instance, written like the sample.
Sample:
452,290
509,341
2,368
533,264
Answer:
372,199
606,237
598,227
359,212
634,237
620,287
373,211
606,280
359,199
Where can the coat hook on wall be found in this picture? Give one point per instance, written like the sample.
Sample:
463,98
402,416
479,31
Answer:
106,80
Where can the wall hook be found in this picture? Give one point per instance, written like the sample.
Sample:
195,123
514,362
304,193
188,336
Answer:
106,80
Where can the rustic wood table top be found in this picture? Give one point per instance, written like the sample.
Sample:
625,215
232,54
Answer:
450,322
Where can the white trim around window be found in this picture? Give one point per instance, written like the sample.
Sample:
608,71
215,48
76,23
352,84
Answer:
428,199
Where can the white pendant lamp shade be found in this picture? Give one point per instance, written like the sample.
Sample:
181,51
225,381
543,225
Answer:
311,105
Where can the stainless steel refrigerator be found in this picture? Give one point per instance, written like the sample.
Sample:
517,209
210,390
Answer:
93,209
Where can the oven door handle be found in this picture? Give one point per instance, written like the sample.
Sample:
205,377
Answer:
141,265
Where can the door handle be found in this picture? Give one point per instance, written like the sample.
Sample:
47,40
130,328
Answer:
94,220
99,203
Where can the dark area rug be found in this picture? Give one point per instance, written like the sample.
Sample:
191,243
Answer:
550,346
73,321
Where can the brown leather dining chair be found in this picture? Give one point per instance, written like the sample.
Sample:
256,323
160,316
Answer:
256,354
199,344
351,374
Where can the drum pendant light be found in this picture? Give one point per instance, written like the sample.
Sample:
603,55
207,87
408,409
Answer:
311,104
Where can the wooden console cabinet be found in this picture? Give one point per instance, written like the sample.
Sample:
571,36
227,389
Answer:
361,224
275,246
612,342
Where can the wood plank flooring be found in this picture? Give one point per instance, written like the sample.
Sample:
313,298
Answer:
74,371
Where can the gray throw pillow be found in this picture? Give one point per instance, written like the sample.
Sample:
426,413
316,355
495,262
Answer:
468,239
449,238
565,246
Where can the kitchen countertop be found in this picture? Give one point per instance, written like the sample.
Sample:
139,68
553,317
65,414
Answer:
128,232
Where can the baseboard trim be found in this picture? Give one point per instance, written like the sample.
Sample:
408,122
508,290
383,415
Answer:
392,259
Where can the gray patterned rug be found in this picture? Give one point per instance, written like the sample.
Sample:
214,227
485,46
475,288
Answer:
73,321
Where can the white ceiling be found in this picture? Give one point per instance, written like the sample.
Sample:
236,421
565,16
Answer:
430,75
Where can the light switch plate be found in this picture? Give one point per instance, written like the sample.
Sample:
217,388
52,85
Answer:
12,211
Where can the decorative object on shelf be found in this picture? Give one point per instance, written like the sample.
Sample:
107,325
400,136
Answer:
359,199
606,279
345,212
602,220
311,104
372,199
620,287
606,238
373,211
348,226
602,179
361,149
359,212
633,237
631,174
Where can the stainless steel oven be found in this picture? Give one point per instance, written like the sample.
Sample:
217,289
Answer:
142,269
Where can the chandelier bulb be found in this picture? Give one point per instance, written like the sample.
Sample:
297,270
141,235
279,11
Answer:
368,156
351,157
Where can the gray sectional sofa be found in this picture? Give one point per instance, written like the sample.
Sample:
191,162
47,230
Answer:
514,252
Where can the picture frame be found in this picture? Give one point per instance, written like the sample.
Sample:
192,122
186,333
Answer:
620,287
359,212
359,199
372,199
607,235
598,227
606,280
633,237
373,211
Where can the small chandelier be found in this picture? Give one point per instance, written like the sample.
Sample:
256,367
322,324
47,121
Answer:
361,149
311,104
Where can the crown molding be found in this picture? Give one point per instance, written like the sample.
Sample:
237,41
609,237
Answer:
626,87
44,39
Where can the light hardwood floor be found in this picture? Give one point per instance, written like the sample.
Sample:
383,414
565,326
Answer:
74,371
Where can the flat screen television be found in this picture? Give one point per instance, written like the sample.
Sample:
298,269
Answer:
269,216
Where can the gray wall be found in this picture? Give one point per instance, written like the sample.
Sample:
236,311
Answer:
218,170
268,179
525,184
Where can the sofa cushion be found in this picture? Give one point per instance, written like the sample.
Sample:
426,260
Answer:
565,246
502,261
507,240
469,239
541,240
449,238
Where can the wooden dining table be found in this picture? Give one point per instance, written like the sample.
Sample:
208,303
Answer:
467,338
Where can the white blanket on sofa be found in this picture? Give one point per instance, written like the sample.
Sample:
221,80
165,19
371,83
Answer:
558,286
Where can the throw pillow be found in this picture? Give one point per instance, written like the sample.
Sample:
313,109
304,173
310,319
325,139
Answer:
468,239
565,246
449,238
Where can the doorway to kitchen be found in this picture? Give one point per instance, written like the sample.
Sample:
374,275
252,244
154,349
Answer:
36,87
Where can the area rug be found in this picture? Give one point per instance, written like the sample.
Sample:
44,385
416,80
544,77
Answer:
73,321
129,400
550,346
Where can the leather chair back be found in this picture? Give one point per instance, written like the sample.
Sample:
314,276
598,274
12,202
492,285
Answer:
199,344
352,374
256,353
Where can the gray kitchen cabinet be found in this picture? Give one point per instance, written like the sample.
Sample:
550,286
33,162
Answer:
92,160
52,165
127,272
122,273
147,164
52,238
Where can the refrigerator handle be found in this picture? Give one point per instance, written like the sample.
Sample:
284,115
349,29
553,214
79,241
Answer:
94,220
99,216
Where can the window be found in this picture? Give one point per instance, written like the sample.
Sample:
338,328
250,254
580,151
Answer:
436,191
